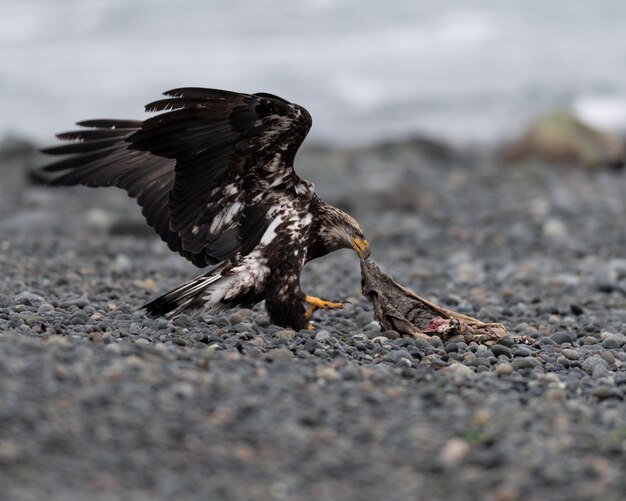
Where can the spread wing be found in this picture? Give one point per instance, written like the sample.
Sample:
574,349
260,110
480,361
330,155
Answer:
205,171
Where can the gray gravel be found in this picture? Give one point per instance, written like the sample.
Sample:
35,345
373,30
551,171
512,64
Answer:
97,401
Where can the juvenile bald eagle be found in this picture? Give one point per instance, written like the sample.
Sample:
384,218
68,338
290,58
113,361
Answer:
214,176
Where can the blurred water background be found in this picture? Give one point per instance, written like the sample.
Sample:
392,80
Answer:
466,71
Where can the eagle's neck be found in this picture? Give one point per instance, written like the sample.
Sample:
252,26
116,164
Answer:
325,233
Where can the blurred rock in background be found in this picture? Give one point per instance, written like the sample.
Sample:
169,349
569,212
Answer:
562,138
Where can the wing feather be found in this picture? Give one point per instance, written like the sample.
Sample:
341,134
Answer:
205,170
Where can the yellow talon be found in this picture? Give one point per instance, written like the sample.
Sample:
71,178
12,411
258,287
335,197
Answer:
317,303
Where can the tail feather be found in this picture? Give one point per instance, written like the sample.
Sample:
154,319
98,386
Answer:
189,296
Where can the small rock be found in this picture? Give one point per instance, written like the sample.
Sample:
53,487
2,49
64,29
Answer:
451,347
95,337
328,374
507,341
504,369
561,337
79,318
322,335
576,309
453,452
521,351
245,313
363,318
28,298
486,315
500,349
236,318
592,363
390,334
460,372
279,355
564,362
608,357
554,229
525,363
396,356
603,391
555,393
257,341
286,334
201,337
121,263
570,354
480,361
614,341
183,389
45,308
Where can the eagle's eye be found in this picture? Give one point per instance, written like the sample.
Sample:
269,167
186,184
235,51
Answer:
359,244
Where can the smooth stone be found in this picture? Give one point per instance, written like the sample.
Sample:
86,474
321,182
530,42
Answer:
322,335
570,354
521,351
451,348
453,452
328,374
363,318
525,363
28,298
604,391
591,363
290,334
436,342
507,341
563,361
390,334
576,309
614,341
504,369
561,338
6,301
500,349
236,318
79,319
459,371
478,361
280,354
397,355
600,372
610,344
486,315
608,357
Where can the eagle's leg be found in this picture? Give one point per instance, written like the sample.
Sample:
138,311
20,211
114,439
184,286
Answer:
317,303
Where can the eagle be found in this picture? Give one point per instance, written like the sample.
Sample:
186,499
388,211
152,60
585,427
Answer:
213,171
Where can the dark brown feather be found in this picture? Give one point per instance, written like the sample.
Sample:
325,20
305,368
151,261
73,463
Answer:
177,164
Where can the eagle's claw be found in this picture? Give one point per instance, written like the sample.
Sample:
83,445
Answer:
317,303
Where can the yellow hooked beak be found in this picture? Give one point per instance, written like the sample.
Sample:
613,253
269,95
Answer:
361,247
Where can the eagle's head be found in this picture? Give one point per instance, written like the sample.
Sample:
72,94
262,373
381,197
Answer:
341,231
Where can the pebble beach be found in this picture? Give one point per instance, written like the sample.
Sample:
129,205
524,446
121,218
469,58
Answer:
99,401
